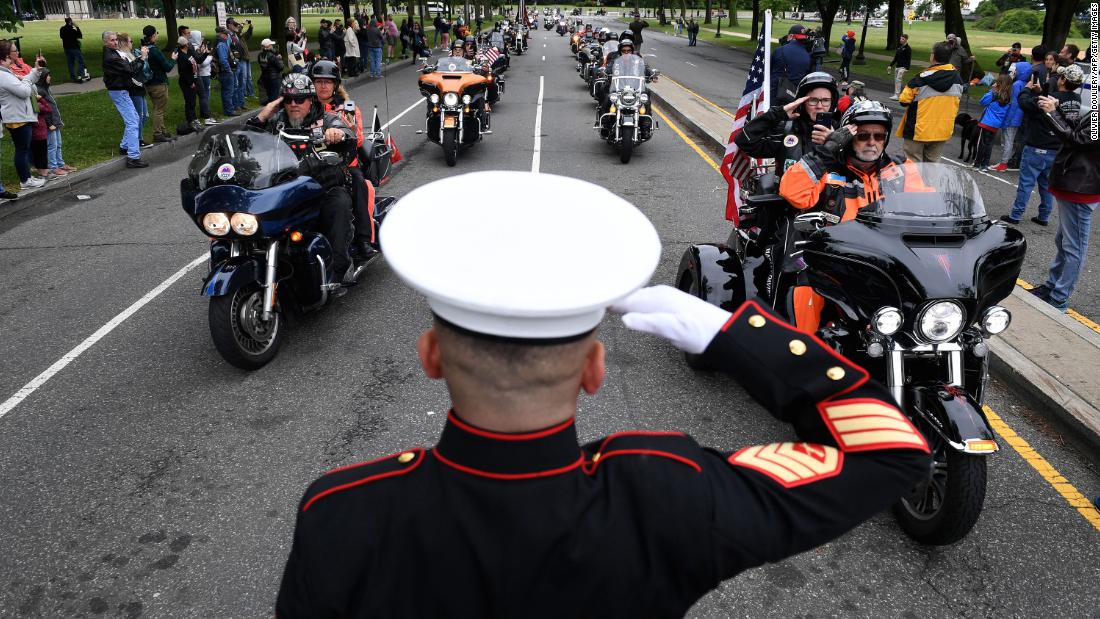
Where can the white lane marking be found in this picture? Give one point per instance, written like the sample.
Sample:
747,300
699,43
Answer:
963,165
537,156
691,63
544,58
544,45
100,333
407,110
652,55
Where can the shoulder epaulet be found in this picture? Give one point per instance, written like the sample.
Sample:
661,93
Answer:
673,446
354,475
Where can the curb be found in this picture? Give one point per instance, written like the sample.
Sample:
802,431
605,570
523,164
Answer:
161,153
1053,396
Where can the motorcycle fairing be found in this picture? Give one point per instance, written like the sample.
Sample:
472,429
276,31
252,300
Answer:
231,275
283,206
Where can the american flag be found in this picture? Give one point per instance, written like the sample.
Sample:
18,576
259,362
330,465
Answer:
522,13
490,55
736,164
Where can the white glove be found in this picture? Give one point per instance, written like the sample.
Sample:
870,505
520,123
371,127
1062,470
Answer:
687,321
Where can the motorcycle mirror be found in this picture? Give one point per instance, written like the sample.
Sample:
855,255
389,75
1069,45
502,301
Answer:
809,222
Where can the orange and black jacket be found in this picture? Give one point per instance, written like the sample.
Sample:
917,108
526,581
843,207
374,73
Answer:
636,524
840,190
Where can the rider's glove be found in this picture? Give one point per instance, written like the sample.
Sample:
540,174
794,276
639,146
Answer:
687,321
836,143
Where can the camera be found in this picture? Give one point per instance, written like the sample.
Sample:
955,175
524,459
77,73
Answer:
349,106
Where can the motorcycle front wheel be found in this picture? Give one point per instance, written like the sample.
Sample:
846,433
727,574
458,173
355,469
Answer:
626,147
942,509
241,335
450,146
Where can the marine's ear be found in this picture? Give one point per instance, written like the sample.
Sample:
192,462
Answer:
427,348
594,369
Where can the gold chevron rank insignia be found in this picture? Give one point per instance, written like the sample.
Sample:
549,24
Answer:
791,464
865,425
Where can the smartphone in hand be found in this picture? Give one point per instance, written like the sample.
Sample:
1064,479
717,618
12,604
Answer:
825,119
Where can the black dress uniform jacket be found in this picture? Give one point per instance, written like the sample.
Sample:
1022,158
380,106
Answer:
638,524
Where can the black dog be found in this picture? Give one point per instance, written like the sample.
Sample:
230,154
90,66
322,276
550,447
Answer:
970,133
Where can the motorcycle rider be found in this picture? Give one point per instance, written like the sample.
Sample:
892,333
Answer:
458,48
846,173
785,132
626,48
297,111
469,48
332,96
496,39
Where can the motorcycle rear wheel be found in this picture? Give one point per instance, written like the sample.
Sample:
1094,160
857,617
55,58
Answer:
241,336
626,147
450,146
943,509
690,285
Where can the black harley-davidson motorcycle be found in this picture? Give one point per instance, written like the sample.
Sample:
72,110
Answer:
912,286
246,191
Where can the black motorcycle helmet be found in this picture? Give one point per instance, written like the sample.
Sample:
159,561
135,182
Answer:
626,41
324,69
869,112
297,85
818,79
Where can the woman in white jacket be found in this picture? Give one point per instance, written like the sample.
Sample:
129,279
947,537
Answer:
204,76
18,113
351,45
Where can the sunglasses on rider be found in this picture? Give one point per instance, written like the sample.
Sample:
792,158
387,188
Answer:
867,136
296,100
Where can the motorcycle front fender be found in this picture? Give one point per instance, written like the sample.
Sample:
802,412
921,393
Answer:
230,275
713,273
952,413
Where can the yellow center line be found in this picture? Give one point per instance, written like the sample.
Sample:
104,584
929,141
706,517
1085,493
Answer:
1061,485
1072,313
706,100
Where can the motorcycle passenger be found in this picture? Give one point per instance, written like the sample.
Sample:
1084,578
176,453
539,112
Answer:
333,97
845,174
785,132
297,111
496,39
469,49
604,36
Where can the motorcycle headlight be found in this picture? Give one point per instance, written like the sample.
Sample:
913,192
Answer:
244,224
940,321
644,97
629,98
466,99
614,97
450,99
434,98
995,320
215,224
887,320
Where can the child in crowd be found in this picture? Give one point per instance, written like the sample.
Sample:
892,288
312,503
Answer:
49,119
996,103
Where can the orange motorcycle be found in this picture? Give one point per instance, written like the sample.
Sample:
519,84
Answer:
457,114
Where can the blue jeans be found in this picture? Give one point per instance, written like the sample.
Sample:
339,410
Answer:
229,91
53,149
21,138
141,106
240,76
1035,165
131,134
1071,246
74,57
375,56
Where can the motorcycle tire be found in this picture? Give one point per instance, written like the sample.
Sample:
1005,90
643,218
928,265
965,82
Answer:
238,332
690,285
945,509
450,147
626,147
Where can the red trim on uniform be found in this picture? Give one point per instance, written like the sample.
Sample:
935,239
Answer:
528,436
612,437
506,476
419,451
837,435
644,452
358,464
839,357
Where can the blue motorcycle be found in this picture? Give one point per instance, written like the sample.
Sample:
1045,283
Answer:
244,190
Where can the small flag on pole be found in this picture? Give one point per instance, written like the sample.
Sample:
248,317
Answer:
735,163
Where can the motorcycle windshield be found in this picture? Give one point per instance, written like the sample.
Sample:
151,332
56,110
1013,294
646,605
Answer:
913,193
628,72
454,64
610,46
243,156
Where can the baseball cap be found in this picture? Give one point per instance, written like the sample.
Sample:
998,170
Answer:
266,42
951,36
1072,74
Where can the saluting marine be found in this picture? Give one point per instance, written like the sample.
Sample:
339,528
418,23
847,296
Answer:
508,515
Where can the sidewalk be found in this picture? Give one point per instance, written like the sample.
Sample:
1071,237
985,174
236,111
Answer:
1046,355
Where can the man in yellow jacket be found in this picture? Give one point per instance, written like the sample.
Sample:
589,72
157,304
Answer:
932,101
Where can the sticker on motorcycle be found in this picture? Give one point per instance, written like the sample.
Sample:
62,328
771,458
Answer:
226,171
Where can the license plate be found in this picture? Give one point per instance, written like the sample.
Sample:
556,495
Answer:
449,122
628,122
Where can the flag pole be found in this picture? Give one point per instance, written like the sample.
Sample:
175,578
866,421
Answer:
767,58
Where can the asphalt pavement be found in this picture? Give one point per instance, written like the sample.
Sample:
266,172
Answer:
148,478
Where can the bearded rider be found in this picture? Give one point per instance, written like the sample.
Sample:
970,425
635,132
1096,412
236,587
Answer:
331,94
848,172
298,112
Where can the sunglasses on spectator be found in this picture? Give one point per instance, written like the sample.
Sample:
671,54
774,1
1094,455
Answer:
295,100
867,136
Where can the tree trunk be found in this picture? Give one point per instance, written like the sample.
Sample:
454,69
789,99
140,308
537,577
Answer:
170,23
1056,23
734,23
277,12
710,11
827,9
860,59
849,16
683,10
895,20
953,21
757,15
